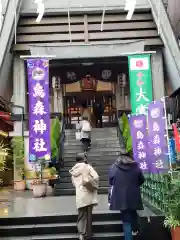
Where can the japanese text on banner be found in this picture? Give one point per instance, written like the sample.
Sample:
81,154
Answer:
140,82
139,140
39,115
156,129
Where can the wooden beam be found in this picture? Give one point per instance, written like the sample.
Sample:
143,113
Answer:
50,29
122,26
148,42
93,35
117,17
50,20
49,37
123,35
85,28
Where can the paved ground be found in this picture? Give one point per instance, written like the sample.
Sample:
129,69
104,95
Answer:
13,204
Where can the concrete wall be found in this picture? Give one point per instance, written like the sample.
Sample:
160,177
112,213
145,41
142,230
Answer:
6,77
79,5
174,15
4,5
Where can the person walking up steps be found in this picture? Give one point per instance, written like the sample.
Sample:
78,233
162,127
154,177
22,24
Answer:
125,179
86,181
85,128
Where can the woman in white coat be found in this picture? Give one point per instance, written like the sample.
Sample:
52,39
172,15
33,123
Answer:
86,198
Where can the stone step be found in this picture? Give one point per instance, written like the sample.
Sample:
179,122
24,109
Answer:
94,163
66,176
93,154
94,135
92,160
113,129
103,172
94,141
97,168
93,144
94,151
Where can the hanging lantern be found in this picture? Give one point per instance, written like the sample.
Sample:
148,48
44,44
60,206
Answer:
5,116
122,80
56,83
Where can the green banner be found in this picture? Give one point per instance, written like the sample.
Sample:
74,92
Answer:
140,82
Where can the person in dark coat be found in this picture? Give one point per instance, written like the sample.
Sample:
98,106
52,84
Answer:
98,111
125,179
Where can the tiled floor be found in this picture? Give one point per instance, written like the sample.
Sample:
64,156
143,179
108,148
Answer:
13,204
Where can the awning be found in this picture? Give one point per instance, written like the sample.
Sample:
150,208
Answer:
75,51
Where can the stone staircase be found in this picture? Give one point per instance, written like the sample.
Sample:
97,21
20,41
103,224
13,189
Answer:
104,151
105,226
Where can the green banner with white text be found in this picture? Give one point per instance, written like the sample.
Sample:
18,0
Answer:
140,82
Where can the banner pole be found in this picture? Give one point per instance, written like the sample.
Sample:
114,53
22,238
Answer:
167,135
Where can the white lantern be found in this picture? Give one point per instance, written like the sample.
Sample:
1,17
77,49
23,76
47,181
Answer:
56,83
122,79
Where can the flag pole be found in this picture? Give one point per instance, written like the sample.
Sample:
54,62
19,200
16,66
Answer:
167,135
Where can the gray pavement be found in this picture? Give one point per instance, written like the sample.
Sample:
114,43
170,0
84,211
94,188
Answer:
24,205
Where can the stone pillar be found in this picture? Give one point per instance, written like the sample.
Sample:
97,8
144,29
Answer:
19,89
157,75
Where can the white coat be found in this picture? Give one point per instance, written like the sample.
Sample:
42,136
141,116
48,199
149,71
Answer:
83,196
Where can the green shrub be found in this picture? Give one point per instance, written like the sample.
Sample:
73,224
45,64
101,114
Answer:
55,137
126,132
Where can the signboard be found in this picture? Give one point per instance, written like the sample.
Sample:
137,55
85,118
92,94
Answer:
139,140
140,83
157,140
39,115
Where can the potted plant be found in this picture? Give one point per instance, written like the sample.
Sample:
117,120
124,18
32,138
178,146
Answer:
172,201
17,145
4,153
39,185
51,175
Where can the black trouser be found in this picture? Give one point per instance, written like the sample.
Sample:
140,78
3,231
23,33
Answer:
99,120
84,222
86,143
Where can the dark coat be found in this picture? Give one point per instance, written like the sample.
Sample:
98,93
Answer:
125,180
98,109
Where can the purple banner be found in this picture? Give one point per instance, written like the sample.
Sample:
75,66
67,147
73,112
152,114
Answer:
157,140
39,115
139,140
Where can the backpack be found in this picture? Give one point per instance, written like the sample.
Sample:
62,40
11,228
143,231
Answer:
86,126
88,182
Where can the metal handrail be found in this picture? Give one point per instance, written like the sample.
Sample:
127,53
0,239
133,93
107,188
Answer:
3,15
8,27
60,157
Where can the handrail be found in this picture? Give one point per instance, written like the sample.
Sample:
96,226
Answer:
7,28
119,133
60,157
3,15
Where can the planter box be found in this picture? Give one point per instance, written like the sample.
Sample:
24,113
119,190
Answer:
175,233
